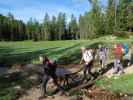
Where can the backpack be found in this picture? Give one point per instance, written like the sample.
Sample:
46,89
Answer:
119,51
102,53
90,55
49,66
126,48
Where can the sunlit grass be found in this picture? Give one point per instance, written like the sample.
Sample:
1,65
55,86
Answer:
29,51
123,83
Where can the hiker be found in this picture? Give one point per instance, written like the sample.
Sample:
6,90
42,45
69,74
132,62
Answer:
102,56
106,53
87,57
98,52
126,54
102,53
131,54
126,48
49,72
118,66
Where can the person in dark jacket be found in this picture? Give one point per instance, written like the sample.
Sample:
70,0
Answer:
131,54
49,72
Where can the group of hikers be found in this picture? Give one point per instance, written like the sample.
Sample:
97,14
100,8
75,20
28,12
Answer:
120,51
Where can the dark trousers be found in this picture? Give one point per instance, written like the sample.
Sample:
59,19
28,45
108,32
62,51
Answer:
87,68
45,81
131,59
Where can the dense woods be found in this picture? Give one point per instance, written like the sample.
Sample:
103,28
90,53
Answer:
116,17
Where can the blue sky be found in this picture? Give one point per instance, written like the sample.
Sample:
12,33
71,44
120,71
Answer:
25,9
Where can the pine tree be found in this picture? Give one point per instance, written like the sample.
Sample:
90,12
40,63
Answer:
46,27
53,29
130,17
110,17
73,28
61,25
125,14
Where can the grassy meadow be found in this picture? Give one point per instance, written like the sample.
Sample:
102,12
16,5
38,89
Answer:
28,51
63,51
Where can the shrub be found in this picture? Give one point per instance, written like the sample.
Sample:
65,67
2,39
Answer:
122,34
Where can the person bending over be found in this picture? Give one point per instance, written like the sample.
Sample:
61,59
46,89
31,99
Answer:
49,67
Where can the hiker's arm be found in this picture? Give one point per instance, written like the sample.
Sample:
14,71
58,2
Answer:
123,51
81,60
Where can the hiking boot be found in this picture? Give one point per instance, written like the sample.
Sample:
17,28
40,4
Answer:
121,72
85,81
88,78
115,72
92,78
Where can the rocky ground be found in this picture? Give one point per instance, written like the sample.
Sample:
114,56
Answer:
87,94
128,70
91,94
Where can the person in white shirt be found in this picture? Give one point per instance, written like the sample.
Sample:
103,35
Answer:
87,57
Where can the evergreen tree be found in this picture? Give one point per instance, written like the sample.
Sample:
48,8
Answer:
46,27
130,17
61,25
125,15
110,17
53,29
73,28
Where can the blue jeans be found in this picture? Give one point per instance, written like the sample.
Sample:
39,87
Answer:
118,66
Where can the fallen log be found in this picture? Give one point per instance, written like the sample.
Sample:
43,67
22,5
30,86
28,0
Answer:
90,83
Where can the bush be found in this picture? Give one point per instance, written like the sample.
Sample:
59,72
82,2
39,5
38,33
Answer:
122,34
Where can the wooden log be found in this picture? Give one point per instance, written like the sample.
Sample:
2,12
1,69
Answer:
80,87
90,83
73,73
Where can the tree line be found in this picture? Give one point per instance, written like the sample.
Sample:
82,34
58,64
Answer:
99,21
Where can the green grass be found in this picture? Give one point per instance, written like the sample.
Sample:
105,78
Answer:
28,51
122,84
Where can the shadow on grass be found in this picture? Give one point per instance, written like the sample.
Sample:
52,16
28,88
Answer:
63,50
7,58
70,58
9,82
75,56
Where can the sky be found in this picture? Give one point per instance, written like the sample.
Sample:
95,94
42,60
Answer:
25,9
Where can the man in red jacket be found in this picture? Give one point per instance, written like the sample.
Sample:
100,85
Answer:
118,51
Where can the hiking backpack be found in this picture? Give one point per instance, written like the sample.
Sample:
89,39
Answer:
119,51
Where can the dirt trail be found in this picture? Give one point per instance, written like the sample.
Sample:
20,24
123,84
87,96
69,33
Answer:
128,70
34,93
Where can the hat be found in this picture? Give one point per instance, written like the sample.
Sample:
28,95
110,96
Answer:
83,48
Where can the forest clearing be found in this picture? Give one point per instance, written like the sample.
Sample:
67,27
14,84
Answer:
66,50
